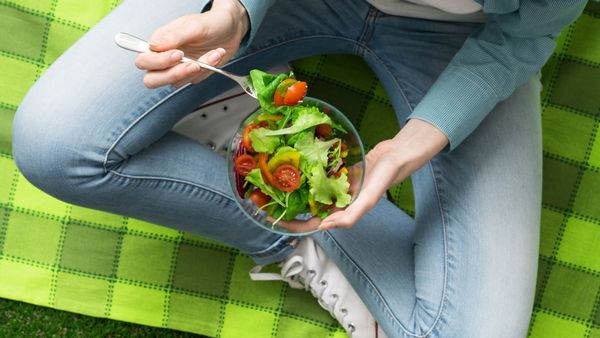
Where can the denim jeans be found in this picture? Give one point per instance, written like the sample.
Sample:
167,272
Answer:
90,133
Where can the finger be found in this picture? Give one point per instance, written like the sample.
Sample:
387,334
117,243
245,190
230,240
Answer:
158,61
177,32
182,73
377,182
158,78
299,226
346,218
213,58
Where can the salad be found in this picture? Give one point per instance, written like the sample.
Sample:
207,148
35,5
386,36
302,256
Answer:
291,157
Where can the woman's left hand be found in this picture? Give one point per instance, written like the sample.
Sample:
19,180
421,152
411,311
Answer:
388,164
385,167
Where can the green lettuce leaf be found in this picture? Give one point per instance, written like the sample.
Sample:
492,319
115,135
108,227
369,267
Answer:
297,201
292,139
265,84
294,203
313,150
307,117
263,143
324,189
338,127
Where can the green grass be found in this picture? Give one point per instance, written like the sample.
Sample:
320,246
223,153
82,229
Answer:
19,319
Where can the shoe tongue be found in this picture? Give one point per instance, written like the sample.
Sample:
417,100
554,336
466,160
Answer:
292,267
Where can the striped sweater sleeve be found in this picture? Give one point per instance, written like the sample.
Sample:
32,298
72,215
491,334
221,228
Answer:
492,63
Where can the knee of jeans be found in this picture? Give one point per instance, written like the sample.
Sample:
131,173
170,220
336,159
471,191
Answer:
50,156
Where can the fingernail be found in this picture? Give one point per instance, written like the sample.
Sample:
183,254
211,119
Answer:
155,42
176,55
214,57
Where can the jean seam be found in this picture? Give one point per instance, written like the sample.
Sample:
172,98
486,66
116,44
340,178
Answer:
400,88
367,29
133,124
444,298
173,180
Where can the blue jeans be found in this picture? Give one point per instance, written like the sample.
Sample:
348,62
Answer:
90,133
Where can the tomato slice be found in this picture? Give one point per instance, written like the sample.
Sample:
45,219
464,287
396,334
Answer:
295,93
264,168
244,164
259,198
323,130
289,92
286,178
246,140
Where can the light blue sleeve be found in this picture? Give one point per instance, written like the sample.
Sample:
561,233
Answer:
492,63
256,10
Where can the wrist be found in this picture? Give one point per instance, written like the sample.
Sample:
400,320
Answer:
418,142
238,12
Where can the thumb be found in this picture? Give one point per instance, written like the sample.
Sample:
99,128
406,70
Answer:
176,33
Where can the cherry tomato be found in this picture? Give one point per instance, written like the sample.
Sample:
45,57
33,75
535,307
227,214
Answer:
246,140
244,164
286,178
278,97
259,198
264,168
290,92
323,130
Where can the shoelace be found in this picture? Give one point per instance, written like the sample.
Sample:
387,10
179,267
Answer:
290,272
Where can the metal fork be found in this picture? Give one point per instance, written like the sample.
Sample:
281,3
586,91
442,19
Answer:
135,44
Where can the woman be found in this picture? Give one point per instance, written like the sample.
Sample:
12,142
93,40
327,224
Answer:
461,76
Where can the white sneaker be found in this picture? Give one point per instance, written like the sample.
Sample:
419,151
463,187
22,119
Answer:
309,268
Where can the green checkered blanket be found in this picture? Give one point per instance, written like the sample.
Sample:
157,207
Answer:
67,257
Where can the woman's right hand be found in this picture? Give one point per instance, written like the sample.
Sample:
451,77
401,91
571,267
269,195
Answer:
212,37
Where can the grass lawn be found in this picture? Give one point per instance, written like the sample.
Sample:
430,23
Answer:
19,319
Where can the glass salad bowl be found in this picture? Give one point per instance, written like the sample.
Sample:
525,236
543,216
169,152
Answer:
240,189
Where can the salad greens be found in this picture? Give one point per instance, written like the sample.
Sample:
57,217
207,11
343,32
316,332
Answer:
298,168
306,117
314,151
265,85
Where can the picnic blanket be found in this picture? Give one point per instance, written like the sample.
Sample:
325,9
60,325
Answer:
63,256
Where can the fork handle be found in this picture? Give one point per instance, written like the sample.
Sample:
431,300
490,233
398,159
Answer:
135,44
132,43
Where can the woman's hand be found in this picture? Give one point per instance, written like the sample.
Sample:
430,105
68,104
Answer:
388,164
212,37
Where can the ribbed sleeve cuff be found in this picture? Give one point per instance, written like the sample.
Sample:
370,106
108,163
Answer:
456,103
256,9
